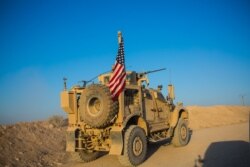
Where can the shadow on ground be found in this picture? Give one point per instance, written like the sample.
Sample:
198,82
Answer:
227,153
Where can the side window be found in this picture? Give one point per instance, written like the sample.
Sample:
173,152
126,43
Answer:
160,96
147,95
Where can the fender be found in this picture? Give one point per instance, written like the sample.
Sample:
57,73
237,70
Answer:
178,112
129,117
136,119
116,133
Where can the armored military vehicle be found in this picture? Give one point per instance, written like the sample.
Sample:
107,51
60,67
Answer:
122,127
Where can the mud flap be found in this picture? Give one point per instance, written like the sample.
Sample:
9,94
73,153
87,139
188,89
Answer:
70,140
116,141
170,132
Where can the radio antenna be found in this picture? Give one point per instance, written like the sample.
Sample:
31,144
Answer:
170,77
242,96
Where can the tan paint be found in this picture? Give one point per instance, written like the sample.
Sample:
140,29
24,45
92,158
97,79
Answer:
153,109
176,114
138,105
68,101
142,123
72,118
116,141
171,91
121,108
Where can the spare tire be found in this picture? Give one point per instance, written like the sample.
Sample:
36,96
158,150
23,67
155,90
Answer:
97,108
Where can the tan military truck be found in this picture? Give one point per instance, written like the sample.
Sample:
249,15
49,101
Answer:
122,127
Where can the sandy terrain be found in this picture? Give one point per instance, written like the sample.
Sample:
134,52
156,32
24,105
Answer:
31,144
226,146
220,135
211,116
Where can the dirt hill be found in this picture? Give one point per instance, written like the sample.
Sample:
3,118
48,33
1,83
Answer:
211,116
43,144
31,144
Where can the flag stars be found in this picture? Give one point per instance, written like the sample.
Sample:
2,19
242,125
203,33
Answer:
118,79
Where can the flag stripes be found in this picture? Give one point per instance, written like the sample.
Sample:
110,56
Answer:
118,79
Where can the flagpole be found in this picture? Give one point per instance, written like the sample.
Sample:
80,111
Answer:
118,78
121,96
119,37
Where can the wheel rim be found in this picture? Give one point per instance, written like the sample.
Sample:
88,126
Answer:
137,146
94,106
183,132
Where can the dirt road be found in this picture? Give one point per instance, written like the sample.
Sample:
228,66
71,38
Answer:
219,146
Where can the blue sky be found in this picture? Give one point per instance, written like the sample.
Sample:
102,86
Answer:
205,43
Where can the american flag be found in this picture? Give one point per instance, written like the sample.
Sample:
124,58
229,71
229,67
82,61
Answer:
118,79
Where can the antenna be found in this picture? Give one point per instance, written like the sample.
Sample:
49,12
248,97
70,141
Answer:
242,99
170,77
65,83
92,79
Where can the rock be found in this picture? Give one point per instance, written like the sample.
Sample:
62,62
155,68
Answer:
51,126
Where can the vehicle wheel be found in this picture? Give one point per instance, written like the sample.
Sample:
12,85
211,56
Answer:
88,156
181,134
135,147
97,107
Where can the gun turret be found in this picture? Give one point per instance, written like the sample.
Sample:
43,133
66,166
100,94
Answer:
84,83
141,77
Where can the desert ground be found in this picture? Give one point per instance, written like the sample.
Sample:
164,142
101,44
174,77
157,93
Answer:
220,137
